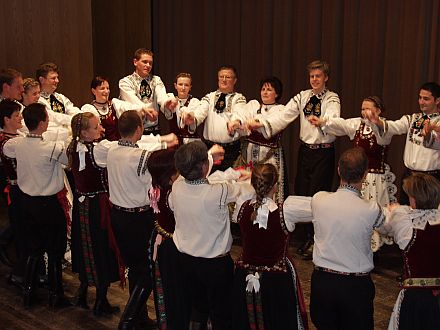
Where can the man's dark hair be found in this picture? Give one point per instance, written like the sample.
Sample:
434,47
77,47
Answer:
432,87
353,164
7,76
33,114
141,51
128,123
44,69
190,158
7,108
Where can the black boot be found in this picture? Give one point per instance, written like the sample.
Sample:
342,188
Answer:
57,300
29,280
102,306
137,299
81,296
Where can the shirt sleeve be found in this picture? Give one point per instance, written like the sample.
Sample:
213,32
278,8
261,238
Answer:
399,225
340,126
127,92
282,119
100,152
121,106
71,110
297,209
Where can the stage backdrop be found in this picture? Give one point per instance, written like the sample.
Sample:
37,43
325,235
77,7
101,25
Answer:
386,48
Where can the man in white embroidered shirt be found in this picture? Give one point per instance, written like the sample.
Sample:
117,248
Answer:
342,291
59,108
131,216
217,109
145,89
418,155
40,178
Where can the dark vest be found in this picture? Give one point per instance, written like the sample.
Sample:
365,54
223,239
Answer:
91,180
376,153
421,256
9,164
165,219
263,249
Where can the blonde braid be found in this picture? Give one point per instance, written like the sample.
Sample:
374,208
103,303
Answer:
264,177
78,123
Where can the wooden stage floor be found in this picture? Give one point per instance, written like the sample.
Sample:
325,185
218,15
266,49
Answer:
14,316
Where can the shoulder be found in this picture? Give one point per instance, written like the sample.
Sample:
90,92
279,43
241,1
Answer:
331,97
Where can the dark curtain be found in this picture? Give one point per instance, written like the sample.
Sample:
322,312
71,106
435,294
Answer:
374,47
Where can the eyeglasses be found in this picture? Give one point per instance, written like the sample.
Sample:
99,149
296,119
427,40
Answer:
225,77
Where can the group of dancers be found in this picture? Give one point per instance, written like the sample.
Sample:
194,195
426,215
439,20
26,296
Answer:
160,206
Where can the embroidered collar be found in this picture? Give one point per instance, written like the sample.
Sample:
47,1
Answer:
44,95
138,78
217,93
320,95
34,136
420,218
348,186
126,143
197,182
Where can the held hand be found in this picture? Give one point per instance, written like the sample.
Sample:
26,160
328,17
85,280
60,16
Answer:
315,121
218,153
233,126
371,116
253,124
170,139
427,129
244,175
188,118
172,104
150,114
393,206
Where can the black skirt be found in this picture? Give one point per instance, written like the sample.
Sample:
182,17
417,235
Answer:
420,309
92,256
173,309
277,300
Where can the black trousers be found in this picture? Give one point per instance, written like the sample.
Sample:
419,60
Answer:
315,172
209,285
132,232
341,301
45,226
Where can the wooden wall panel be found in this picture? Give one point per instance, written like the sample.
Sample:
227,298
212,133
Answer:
119,28
36,31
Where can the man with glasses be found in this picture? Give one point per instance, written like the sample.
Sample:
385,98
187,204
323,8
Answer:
218,109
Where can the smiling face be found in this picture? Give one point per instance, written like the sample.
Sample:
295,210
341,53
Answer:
14,122
226,81
317,80
50,83
31,95
94,131
427,103
143,65
101,92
